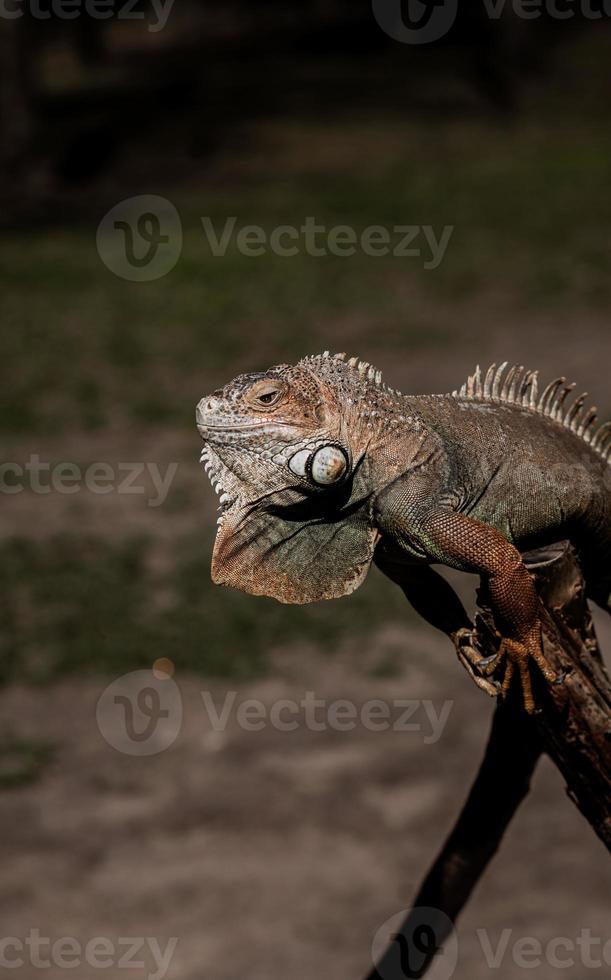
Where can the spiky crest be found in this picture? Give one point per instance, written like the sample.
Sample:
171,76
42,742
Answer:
520,387
362,369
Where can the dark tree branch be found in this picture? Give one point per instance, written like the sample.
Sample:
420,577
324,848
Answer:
501,784
573,725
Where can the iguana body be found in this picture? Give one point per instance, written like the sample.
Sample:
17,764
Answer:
323,469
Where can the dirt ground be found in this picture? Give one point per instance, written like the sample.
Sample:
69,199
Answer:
273,853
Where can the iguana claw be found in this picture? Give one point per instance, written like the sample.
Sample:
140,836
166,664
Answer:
516,656
471,659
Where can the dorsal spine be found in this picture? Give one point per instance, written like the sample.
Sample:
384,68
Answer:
519,386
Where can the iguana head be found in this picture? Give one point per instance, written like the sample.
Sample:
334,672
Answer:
287,451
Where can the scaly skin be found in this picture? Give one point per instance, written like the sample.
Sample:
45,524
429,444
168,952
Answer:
322,469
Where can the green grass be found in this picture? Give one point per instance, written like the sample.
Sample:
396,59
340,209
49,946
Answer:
79,604
22,760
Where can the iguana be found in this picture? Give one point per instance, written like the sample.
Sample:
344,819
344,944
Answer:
322,469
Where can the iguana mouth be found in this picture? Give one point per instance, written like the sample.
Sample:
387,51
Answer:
205,427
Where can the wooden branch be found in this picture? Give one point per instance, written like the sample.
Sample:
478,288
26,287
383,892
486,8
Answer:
500,786
572,724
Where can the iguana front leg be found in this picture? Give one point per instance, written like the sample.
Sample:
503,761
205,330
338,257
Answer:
462,542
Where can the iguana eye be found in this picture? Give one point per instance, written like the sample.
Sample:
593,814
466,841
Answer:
327,465
265,393
268,397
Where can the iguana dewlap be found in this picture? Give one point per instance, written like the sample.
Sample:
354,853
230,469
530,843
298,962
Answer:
321,468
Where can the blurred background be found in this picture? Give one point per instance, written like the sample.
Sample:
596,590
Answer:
123,142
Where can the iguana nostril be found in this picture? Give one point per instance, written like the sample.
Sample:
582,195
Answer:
205,408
